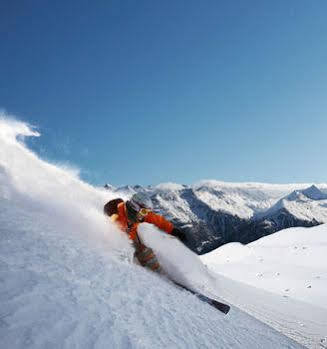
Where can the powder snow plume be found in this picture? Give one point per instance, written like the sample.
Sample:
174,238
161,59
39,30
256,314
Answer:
36,184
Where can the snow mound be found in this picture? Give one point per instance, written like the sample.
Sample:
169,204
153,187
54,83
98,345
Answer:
290,262
229,253
281,280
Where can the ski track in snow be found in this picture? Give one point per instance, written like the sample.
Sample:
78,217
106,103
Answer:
305,323
66,278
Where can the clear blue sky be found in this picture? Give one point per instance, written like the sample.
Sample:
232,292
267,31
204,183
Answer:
143,92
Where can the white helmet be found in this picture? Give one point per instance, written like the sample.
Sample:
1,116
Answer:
143,200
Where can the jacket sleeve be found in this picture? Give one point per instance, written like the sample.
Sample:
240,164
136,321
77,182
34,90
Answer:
159,221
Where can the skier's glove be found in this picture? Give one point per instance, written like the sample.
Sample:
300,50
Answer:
179,234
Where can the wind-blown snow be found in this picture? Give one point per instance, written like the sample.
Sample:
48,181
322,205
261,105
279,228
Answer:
66,277
181,264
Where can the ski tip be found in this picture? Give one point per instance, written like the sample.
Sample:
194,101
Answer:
224,308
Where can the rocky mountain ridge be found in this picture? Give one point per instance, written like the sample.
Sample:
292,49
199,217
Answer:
214,213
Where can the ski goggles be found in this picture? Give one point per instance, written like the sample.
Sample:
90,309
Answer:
142,213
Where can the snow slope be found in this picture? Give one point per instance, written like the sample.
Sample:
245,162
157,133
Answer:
291,265
304,322
66,278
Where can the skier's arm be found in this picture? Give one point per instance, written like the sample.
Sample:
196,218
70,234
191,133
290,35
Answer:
159,221
164,225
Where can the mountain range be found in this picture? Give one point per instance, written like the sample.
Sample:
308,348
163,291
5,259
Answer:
213,213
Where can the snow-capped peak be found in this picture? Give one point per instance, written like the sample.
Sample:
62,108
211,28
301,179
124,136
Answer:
308,204
311,192
109,187
314,193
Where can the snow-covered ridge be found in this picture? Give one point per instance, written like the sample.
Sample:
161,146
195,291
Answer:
214,213
241,199
285,187
306,204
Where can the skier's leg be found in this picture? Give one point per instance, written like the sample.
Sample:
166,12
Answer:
147,258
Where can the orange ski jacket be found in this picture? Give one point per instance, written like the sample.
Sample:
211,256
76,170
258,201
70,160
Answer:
151,218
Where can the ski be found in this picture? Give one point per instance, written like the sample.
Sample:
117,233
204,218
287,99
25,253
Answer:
222,307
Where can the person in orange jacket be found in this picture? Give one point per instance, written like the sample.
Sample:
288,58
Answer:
128,215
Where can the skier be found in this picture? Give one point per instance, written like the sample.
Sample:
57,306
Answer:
128,215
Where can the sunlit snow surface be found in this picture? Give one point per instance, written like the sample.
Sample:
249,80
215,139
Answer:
67,278
292,266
